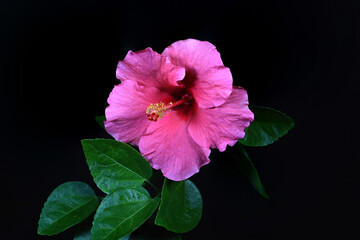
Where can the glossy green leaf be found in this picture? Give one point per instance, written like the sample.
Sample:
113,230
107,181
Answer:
245,165
83,235
127,237
268,126
86,235
121,212
181,206
115,164
100,120
67,205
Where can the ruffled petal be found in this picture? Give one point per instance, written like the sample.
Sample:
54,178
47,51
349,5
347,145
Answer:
192,53
148,68
223,125
126,113
168,146
209,82
213,87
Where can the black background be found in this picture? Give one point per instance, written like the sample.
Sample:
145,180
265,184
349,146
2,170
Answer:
58,61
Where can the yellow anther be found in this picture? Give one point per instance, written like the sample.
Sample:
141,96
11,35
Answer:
156,111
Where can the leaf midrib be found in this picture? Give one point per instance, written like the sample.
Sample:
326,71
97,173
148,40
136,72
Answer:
150,200
113,160
66,214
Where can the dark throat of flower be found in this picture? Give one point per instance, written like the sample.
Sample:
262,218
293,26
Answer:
156,111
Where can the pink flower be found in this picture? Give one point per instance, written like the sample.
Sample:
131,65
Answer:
176,106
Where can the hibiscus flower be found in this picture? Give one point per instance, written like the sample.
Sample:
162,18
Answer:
177,105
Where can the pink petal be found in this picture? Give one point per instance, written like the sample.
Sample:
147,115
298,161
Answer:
192,53
168,146
217,127
209,81
213,87
148,68
126,113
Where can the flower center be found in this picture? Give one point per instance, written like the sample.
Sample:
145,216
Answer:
156,111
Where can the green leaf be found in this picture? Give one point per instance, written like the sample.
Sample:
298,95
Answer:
100,120
115,164
127,237
181,206
67,205
86,235
246,166
121,212
268,126
83,235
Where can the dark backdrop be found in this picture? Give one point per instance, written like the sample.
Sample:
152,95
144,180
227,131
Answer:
58,61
